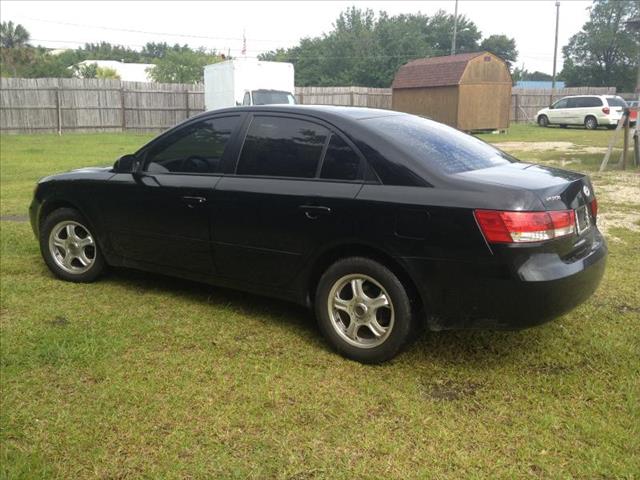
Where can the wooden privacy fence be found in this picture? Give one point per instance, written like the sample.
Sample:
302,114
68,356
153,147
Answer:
92,105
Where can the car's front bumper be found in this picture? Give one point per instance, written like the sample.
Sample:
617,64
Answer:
515,295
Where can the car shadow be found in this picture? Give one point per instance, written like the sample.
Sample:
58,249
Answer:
481,348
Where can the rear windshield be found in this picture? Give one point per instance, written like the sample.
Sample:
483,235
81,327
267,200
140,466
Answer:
616,102
438,145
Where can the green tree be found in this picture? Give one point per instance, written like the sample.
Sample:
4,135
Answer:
182,67
502,46
605,52
13,36
107,73
364,50
87,70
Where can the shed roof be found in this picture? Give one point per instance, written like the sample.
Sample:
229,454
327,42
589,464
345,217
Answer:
433,71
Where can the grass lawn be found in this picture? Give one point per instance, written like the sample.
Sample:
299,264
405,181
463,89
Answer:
140,375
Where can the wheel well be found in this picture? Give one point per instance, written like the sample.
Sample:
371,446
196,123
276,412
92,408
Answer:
49,207
590,116
354,250
542,115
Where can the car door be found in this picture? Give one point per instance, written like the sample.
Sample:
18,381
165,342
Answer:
161,214
291,192
576,110
559,113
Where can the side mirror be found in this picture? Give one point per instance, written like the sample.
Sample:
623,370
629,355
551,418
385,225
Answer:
125,164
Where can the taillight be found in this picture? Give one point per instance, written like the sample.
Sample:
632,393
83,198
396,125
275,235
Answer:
519,227
606,110
594,208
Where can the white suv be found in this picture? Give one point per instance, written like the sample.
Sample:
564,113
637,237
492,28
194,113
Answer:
588,110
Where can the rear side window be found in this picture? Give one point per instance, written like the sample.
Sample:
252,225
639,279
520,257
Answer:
340,161
437,145
591,102
616,102
282,147
196,148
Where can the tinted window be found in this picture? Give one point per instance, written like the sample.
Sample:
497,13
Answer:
196,148
616,102
436,144
561,103
591,102
282,147
340,161
272,97
574,103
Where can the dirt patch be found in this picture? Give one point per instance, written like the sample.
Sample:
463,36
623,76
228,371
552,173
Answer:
621,194
618,219
14,218
535,146
450,390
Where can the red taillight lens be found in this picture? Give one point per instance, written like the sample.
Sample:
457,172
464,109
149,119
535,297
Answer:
518,227
606,110
594,208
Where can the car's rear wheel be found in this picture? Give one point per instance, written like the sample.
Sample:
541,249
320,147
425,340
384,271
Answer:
563,125
69,248
543,121
363,310
590,123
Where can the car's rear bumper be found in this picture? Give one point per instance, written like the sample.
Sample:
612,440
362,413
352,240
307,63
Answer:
490,295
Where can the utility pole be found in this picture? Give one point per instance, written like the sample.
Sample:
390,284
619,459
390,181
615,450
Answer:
555,54
455,30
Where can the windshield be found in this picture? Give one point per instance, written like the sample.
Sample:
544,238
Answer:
438,145
272,97
616,102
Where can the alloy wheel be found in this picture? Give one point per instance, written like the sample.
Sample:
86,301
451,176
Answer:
361,310
72,247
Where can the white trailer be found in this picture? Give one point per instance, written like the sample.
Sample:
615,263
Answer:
247,82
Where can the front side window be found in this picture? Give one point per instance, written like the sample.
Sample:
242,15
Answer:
340,161
437,145
282,147
196,148
560,104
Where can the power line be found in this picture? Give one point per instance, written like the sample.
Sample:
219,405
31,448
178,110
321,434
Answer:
131,30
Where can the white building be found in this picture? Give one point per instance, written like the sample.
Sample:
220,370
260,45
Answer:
129,72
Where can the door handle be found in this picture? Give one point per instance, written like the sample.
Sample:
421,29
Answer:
312,212
193,202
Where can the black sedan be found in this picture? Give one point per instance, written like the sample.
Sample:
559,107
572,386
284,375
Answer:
380,220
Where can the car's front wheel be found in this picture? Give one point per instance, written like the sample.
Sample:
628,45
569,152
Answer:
543,121
69,248
363,310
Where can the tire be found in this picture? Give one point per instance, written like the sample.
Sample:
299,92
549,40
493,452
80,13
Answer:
590,123
563,125
360,287
543,121
69,248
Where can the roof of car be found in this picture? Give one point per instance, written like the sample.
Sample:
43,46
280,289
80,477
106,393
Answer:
326,111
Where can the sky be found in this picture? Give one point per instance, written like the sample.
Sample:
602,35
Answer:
269,25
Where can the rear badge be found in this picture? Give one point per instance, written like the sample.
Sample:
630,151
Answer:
586,190
553,198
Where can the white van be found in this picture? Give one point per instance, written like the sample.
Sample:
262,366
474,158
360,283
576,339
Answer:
591,111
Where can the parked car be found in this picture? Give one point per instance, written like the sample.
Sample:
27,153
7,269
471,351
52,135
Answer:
591,111
377,219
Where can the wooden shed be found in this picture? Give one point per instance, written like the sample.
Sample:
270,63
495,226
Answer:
470,91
